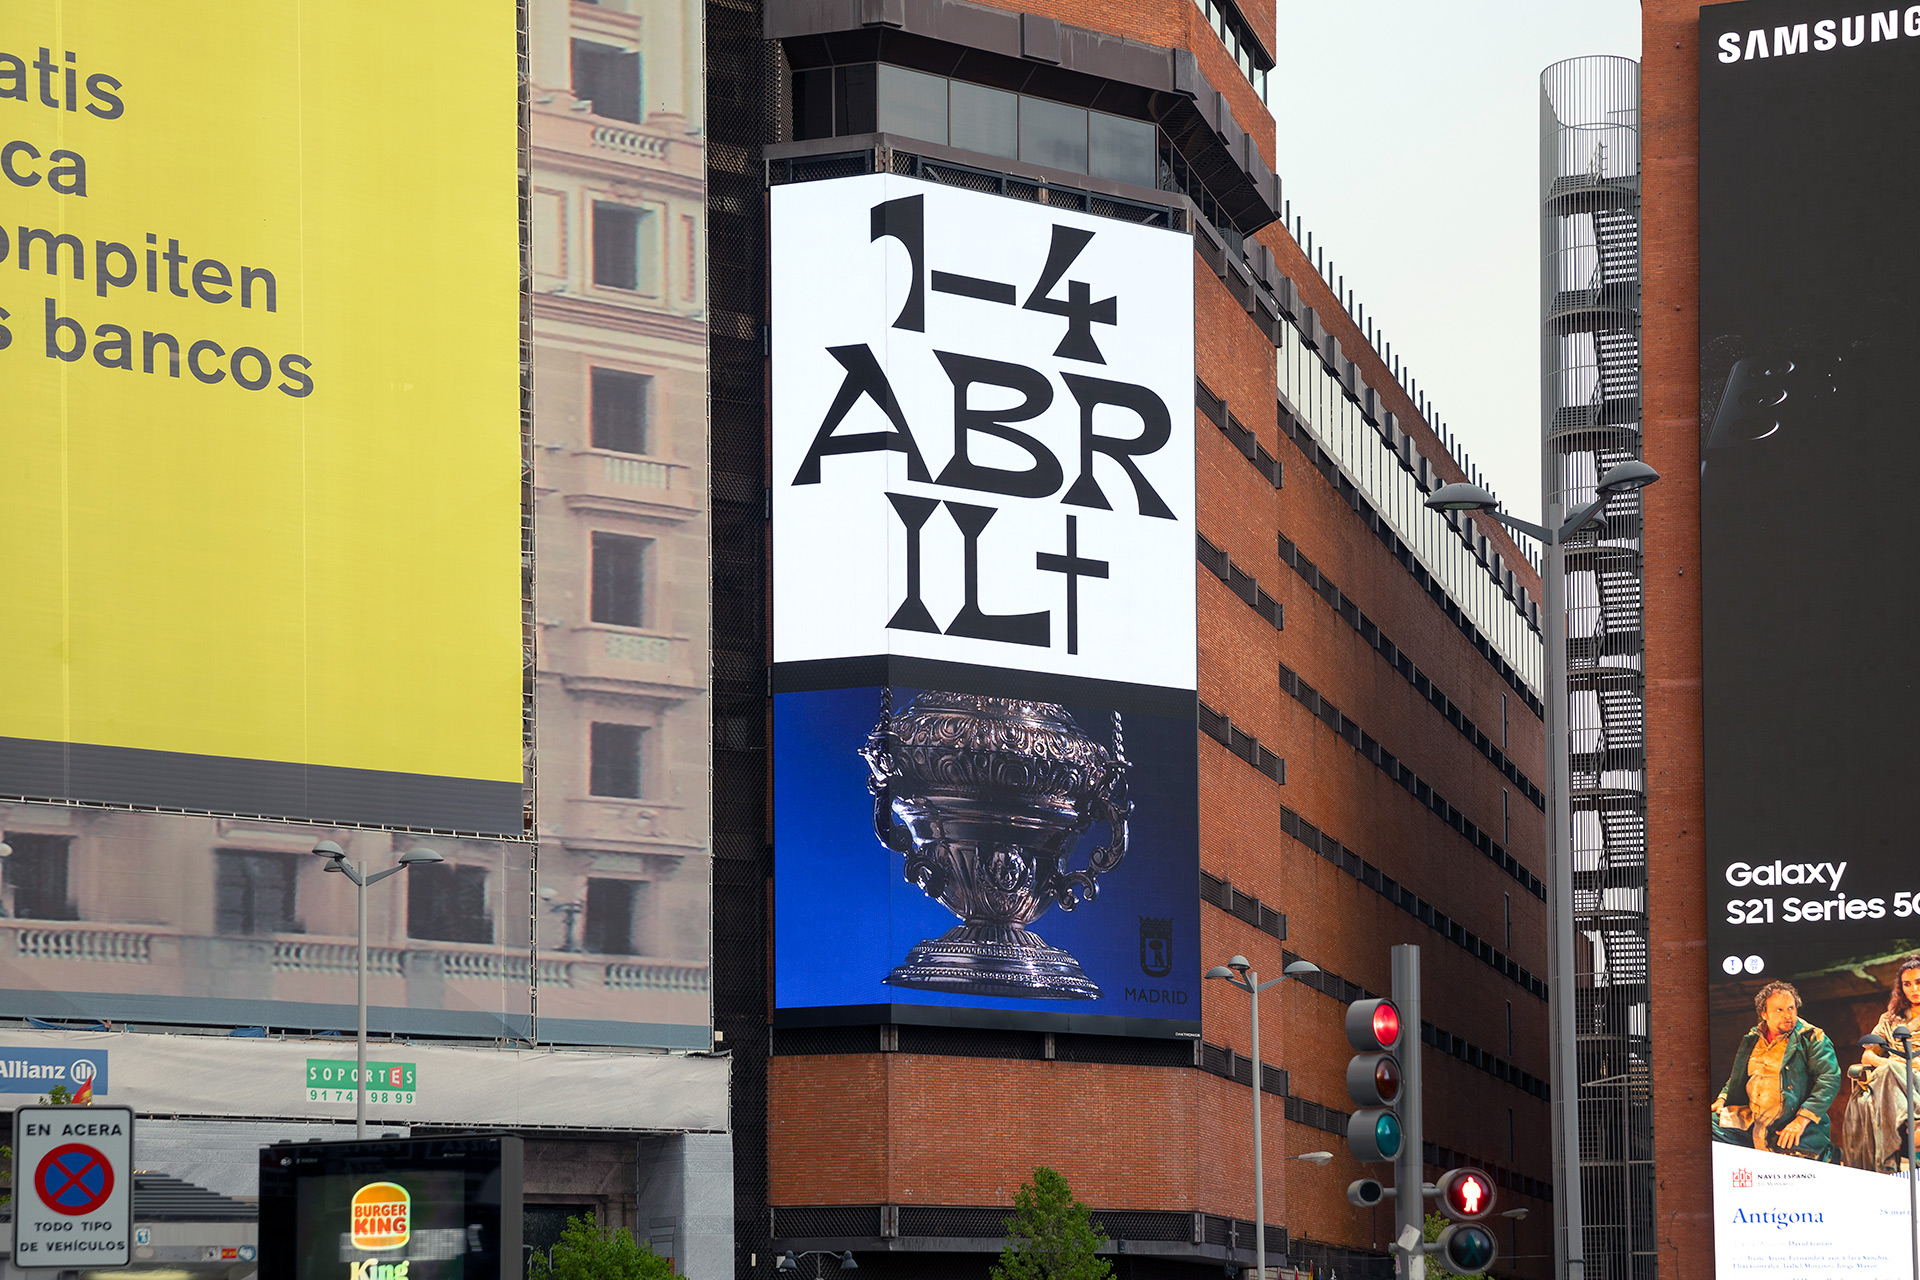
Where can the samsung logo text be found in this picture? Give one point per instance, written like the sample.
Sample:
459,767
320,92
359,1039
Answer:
1818,37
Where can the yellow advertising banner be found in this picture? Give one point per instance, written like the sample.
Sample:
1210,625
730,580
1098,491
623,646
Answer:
260,458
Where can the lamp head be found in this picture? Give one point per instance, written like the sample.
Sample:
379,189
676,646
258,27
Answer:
412,856
1239,965
548,893
1219,971
1902,1032
1316,1157
1299,967
1461,496
1627,477
847,1263
6,850
1875,1041
1515,1214
328,849
787,1262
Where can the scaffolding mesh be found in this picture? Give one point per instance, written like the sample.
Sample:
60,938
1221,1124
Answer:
1591,421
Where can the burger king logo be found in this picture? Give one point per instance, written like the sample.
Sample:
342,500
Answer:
380,1216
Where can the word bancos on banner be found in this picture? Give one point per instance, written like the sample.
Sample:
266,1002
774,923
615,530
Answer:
260,450
984,613
1807,329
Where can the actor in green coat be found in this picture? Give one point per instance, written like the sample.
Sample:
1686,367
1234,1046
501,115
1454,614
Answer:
1784,1078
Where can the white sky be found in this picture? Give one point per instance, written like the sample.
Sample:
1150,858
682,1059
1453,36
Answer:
1409,146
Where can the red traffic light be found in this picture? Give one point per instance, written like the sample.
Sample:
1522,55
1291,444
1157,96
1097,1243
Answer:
1373,1024
1373,1079
1466,1194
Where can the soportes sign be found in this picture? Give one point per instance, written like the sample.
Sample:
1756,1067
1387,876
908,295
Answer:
983,433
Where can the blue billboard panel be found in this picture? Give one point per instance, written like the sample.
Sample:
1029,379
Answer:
943,850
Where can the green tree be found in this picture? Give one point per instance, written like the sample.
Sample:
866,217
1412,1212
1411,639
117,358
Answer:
585,1252
1051,1236
57,1097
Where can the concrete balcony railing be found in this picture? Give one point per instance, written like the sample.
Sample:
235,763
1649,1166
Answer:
639,824
625,484
77,941
612,659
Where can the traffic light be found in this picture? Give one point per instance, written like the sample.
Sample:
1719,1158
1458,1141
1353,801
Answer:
1466,1195
1374,1080
1466,1248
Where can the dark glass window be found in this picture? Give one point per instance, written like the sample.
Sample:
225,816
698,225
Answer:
609,78
541,1224
912,103
620,579
614,761
853,100
254,893
813,104
619,410
985,120
1121,150
616,246
447,902
1053,134
616,911
37,874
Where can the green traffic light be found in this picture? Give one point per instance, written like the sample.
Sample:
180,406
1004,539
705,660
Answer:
1386,1134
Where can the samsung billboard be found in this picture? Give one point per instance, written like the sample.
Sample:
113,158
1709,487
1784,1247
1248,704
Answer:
984,613
1809,178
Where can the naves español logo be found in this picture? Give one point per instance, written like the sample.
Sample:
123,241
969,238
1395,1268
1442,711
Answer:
381,1213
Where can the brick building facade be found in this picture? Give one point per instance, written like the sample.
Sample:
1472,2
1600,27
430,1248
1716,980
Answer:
1370,762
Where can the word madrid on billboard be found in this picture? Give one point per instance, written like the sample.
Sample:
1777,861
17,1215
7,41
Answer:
1807,331
984,612
260,435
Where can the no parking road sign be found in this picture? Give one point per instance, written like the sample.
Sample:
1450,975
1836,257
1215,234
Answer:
73,1192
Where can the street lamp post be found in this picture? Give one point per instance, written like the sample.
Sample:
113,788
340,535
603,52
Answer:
1569,1216
1239,973
569,913
1905,1051
337,861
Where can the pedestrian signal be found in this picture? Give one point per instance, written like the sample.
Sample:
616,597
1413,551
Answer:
1466,1195
1467,1248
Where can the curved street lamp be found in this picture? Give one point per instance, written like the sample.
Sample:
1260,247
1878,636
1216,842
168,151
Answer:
337,861
1238,972
1624,477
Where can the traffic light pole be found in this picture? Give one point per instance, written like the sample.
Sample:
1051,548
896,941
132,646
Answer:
1409,1166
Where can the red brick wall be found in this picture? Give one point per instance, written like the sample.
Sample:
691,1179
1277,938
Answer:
902,1128
1669,151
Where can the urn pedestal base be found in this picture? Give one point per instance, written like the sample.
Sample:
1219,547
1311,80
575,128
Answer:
974,960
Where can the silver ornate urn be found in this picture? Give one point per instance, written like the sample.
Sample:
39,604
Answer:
988,798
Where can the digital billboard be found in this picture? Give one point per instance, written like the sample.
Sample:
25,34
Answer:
984,613
598,895
260,457
438,1209
1808,266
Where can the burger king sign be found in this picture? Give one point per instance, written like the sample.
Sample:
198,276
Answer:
381,1212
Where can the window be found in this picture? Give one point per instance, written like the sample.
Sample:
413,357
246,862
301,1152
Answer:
615,766
912,103
37,874
254,893
541,1224
620,579
616,916
985,120
626,247
1121,150
447,902
853,100
1053,134
619,410
813,103
609,78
